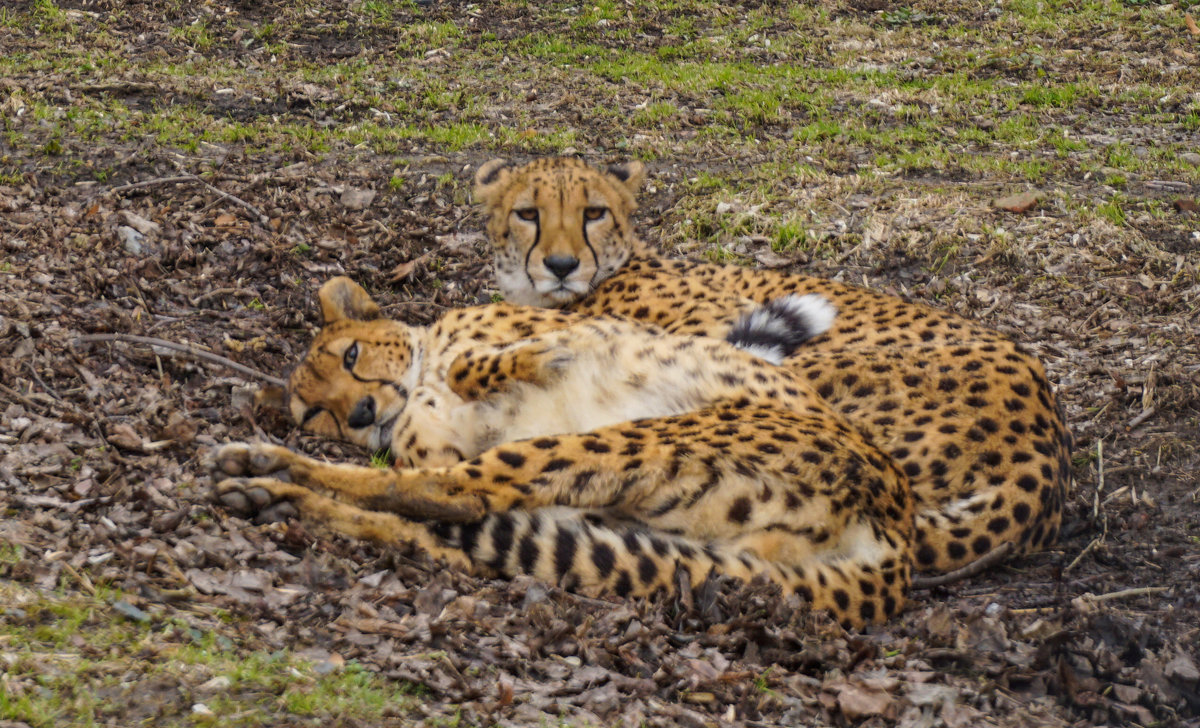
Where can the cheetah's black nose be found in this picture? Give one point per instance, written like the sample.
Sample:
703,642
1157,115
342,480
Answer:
561,265
363,413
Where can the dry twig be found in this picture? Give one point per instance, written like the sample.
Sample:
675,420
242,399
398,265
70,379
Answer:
190,351
152,183
989,559
1122,594
1086,550
256,213
1145,415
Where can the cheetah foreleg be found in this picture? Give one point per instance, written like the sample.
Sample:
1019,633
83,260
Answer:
408,492
251,495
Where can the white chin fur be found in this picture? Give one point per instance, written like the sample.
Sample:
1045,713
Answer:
515,287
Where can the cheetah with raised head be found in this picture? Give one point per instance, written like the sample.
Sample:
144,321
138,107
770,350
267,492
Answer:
967,414
593,452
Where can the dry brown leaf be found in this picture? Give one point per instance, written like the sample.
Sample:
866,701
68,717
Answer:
1190,22
141,224
506,693
126,438
768,258
404,270
857,701
180,428
1020,202
354,199
225,220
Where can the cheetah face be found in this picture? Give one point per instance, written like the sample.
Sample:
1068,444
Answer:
558,225
354,382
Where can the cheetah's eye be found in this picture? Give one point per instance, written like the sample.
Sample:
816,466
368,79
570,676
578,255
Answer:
528,214
350,356
594,213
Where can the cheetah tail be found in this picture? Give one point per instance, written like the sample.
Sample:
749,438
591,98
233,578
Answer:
775,329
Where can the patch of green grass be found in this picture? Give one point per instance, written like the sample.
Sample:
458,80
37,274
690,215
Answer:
789,236
456,136
755,106
720,254
10,553
196,34
657,113
1112,211
382,459
906,16
378,11
50,19
1055,96
819,131
64,667
1121,156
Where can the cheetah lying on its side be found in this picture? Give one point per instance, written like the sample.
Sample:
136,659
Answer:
595,453
967,414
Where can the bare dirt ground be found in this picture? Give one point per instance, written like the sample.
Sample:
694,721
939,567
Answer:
102,496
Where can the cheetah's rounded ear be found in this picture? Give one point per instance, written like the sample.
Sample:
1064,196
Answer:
631,174
342,298
490,179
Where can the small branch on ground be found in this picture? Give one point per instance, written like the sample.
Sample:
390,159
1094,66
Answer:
1087,550
988,560
1145,415
1087,599
255,213
152,182
190,351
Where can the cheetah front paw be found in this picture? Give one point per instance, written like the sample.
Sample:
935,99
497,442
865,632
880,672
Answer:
265,500
474,377
247,459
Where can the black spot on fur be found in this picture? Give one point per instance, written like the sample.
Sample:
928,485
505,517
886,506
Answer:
624,584
511,459
527,553
502,541
603,558
739,512
647,570
564,552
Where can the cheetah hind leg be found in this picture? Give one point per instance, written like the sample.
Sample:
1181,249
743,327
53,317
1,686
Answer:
568,547
573,548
